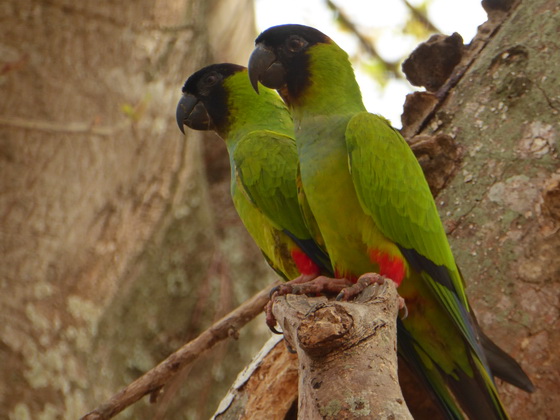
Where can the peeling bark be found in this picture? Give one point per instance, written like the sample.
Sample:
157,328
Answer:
433,61
266,388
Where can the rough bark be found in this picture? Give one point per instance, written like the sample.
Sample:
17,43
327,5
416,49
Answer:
346,353
500,204
154,381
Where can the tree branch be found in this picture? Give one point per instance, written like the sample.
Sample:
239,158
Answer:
155,379
62,127
421,17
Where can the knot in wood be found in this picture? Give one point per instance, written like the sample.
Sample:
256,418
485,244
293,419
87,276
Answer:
320,330
433,61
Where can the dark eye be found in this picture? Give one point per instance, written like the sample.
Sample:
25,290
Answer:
295,44
211,79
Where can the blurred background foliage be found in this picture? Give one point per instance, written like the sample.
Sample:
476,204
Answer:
378,35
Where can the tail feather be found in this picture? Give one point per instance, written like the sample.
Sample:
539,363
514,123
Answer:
429,376
477,395
503,365
459,395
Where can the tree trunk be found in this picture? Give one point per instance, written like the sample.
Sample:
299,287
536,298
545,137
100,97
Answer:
501,208
111,249
266,388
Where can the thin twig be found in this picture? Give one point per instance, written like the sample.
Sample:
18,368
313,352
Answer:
346,22
162,28
155,379
62,127
421,17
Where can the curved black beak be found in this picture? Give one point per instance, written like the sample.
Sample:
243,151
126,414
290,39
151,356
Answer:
263,67
192,113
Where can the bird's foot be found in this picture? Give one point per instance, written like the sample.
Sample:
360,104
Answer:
303,285
363,282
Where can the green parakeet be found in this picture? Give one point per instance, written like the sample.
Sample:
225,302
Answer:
258,132
375,212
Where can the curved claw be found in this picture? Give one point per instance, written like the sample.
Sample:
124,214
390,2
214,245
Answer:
274,290
403,308
274,330
270,319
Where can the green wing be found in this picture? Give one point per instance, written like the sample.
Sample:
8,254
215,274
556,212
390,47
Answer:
308,216
273,243
267,166
392,189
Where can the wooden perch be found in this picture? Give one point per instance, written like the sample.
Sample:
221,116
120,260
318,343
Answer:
153,381
347,361
347,354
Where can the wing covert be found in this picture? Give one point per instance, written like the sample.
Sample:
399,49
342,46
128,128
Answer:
392,189
267,167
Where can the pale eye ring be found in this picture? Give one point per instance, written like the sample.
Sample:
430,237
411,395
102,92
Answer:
295,44
211,79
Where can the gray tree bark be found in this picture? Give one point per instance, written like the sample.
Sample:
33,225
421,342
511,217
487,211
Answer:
500,203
